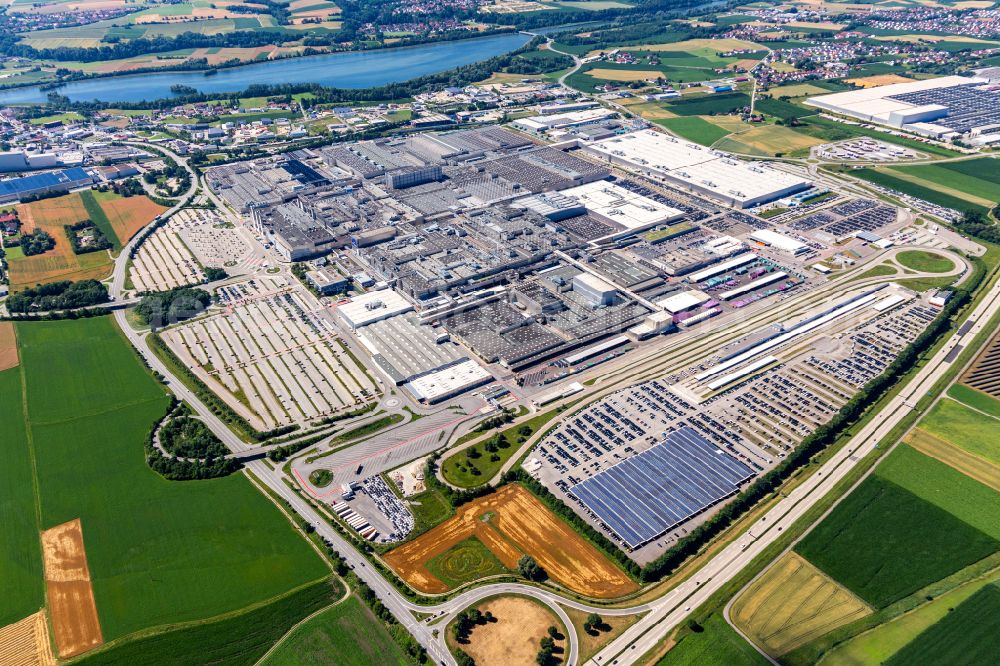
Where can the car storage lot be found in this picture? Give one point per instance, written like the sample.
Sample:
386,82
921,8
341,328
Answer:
273,354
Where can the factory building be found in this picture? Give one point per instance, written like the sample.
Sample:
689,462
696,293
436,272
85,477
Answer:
780,242
371,307
18,160
624,208
15,189
698,169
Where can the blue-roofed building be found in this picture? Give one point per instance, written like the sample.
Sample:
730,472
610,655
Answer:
14,189
645,496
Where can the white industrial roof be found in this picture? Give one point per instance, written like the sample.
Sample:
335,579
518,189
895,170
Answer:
871,103
717,172
685,300
448,381
594,282
779,241
373,306
629,209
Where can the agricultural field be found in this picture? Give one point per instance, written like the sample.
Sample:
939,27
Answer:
694,128
704,105
466,561
965,636
975,398
716,643
976,180
980,387
965,428
514,637
158,552
118,218
346,634
26,642
911,523
8,346
768,141
793,603
58,263
509,522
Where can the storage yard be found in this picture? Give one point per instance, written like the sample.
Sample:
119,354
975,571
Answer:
750,402
273,355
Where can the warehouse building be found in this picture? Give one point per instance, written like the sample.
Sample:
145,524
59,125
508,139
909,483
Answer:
698,169
371,307
779,242
630,211
948,107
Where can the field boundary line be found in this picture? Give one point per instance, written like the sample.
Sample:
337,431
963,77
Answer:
968,406
292,629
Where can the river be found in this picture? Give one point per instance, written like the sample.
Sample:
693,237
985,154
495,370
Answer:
351,69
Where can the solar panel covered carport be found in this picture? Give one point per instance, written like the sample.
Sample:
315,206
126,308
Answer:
652,492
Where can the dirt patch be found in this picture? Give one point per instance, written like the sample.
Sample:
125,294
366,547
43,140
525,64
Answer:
878,80
519,524
513,638
792,604
128,216
26,642
8,349
75,624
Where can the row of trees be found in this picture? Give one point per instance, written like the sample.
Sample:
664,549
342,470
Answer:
61,295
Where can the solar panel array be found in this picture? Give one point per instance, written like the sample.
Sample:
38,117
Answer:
969,106
656,490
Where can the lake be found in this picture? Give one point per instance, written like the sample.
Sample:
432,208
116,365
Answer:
353,69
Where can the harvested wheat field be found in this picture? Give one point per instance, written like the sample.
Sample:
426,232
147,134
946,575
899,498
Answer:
59,263
513,638
75,624
129,215
26,642
8,349
511,522
878,80
792,604
625,74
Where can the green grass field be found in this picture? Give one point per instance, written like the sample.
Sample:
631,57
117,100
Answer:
20,557
694,129
883,542
717,644
831,130
968,635
925,262
345,635
159,551
428,508
976,399
466,561
241,638
965,428
709,104
979,177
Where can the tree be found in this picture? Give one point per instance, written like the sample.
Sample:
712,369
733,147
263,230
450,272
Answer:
528,568
464,659
553,631
593,623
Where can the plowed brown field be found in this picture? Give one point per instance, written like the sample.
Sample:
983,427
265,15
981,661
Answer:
511,522
75,624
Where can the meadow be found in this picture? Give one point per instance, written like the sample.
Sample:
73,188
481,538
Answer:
465,562
968,635
921,191
977,179
975,399
924,261
346,634
159,551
